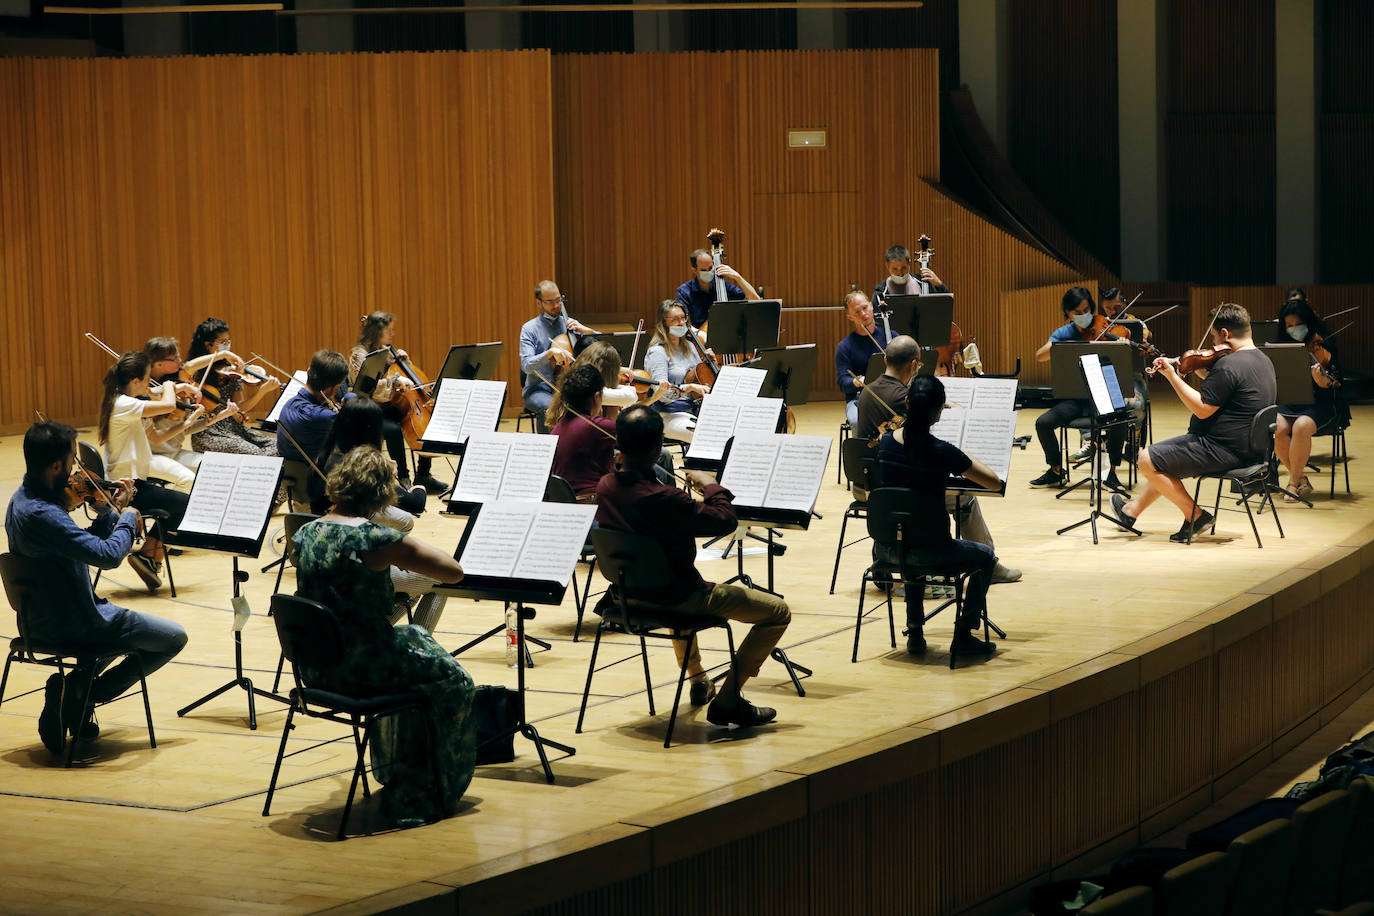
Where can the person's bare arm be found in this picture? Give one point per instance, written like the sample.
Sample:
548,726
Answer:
982,475
415,555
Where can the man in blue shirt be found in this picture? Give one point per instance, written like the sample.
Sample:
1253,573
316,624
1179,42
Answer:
855,349
305,420
540,360
62,608
698,294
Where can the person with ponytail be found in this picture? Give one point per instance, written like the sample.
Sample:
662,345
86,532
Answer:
912,458
126,413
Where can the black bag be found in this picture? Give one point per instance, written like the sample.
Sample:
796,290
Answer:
1354,760
494,708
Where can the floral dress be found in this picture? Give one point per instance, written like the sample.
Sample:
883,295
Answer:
380,659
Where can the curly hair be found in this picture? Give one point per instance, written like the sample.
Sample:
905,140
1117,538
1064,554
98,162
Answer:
362,482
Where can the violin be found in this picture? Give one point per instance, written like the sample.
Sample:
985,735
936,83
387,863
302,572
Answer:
1193,360
82,487
642,382
1321,358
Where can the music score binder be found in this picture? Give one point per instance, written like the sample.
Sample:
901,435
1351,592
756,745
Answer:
519,551
230,504
775,479
462,407
502,466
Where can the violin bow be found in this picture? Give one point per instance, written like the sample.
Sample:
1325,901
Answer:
1119,317
634,351
285,375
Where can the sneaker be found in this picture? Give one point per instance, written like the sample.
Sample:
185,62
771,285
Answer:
1084,452
1112,482
1002,574
739,712
915,641
50,730
148,570
965,643
1119,511
1051,478
433,485
703,691
937,592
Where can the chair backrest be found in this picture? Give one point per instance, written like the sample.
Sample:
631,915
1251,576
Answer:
296,476
1260,860
290,525
635,564
91,459
1320,827
1133,901
558,490
857,458
1262,430
1357,870
15,574
1198,887
309,632
891,514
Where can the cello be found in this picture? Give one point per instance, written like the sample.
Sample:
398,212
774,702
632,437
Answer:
415,400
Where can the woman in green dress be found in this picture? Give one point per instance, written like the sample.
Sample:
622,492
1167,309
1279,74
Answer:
343,561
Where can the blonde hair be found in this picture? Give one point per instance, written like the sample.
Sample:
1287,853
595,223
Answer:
602,357
362,482
661,336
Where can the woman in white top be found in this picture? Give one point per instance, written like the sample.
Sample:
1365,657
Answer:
669,358
124,421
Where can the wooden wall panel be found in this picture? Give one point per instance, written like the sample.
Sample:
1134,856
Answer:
1244,712
1177,718
706,147
730,878
1347,637
1263,303
1095,761
287,195
1298,664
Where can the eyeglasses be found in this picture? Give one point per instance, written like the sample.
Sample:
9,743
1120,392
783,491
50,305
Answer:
552,301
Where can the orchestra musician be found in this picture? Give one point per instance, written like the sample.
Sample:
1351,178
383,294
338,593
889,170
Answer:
615,393
855,349
1079,311
1297,423
586,440
540,357
165,365
632,499
309,416
698,294
884,401
344,561
911,457
900,281
1114,309
671,359
55,554
228,433
126,413
1240,384
379,330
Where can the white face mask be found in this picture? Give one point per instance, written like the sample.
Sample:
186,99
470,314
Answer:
1298,332
224,347
678,330
1083,320
706,275
900,281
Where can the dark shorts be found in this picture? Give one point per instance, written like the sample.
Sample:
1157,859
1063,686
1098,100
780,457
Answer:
1320,413
1189,455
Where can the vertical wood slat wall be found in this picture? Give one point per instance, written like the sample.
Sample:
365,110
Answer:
288,195
1355,343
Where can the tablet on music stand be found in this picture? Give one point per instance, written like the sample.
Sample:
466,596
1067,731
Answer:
472,360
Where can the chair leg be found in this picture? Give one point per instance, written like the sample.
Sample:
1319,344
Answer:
171,580
1274,511
357,772
1197,488
147,707
276,586
958,614
839,548
358,743
276,767
859,618
648,684
677,697
891,623
81,717
281,663
5,678
591,667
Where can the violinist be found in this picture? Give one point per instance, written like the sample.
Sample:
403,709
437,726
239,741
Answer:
126,434
378,331
901,282
1239,385
309,416
56,554
586,440
1080,313
698,294
1297,423
228,433
540,357
1114,308
672,359
169,433
615,393
855,350
884,403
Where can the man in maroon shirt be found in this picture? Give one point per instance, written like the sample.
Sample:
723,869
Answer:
633,500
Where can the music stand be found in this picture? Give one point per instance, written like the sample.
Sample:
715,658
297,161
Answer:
1264,332
1106,409
472,360
743,325
909,314
624,343
1292,371
1066,376
370,372
791,371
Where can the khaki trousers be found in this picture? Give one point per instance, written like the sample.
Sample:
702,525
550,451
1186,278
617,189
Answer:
768,614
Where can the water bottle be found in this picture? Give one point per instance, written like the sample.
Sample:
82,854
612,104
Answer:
512,638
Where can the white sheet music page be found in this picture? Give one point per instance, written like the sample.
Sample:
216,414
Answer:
555,542
994,394
950,426
959,391
987,437
210,493
293,386
483,466
250,502
739,381
758,417
484,406
498,536
450,406
527,466
797,476
749,469
715,426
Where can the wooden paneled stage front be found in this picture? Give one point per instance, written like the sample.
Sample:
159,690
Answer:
1139,680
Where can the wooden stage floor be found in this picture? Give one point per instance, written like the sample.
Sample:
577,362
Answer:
180,829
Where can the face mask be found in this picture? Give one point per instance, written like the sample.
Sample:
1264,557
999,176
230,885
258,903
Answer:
224,347
1298,332
706,275
1083,320
900,281
678,330
551,319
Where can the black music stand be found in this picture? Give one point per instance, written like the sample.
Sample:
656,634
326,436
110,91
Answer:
371,371
472,360
791,371
1292,372
1066,378
744,325
624,344
1103,414
1264,332
933,312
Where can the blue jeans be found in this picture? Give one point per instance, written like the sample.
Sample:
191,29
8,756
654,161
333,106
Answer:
538,401
148,639
851,412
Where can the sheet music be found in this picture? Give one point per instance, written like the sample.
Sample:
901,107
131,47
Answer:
739,381
722,417
1097,385
950,426
505,466
463,407
232,495
497,537
555,541
484,406
958,391
994,393
987,437
776,471
450,406
750,468
293,385
758,416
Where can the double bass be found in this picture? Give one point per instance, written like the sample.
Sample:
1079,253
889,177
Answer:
950,357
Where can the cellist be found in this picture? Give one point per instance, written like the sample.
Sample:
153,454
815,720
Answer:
540,356
378,331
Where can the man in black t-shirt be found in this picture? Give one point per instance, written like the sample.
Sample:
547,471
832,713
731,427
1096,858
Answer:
1240,385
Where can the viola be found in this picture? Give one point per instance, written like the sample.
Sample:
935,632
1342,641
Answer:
1321,358
1193,360
1101,327
642,382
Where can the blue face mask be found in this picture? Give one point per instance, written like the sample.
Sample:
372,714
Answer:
1082,320
1298,332
678,330
706,276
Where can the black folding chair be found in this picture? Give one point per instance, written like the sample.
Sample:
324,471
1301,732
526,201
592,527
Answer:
19,587
558,490
93,462
1251,480
636,565
311,638
856,461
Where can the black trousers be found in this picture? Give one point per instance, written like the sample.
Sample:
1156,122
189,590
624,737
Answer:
148,495
1061,414
395,440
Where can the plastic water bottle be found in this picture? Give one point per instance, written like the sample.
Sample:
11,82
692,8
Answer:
512,638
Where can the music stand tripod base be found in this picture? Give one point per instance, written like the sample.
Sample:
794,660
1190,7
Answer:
1096,486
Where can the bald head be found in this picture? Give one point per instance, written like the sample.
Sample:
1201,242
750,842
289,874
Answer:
903,357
